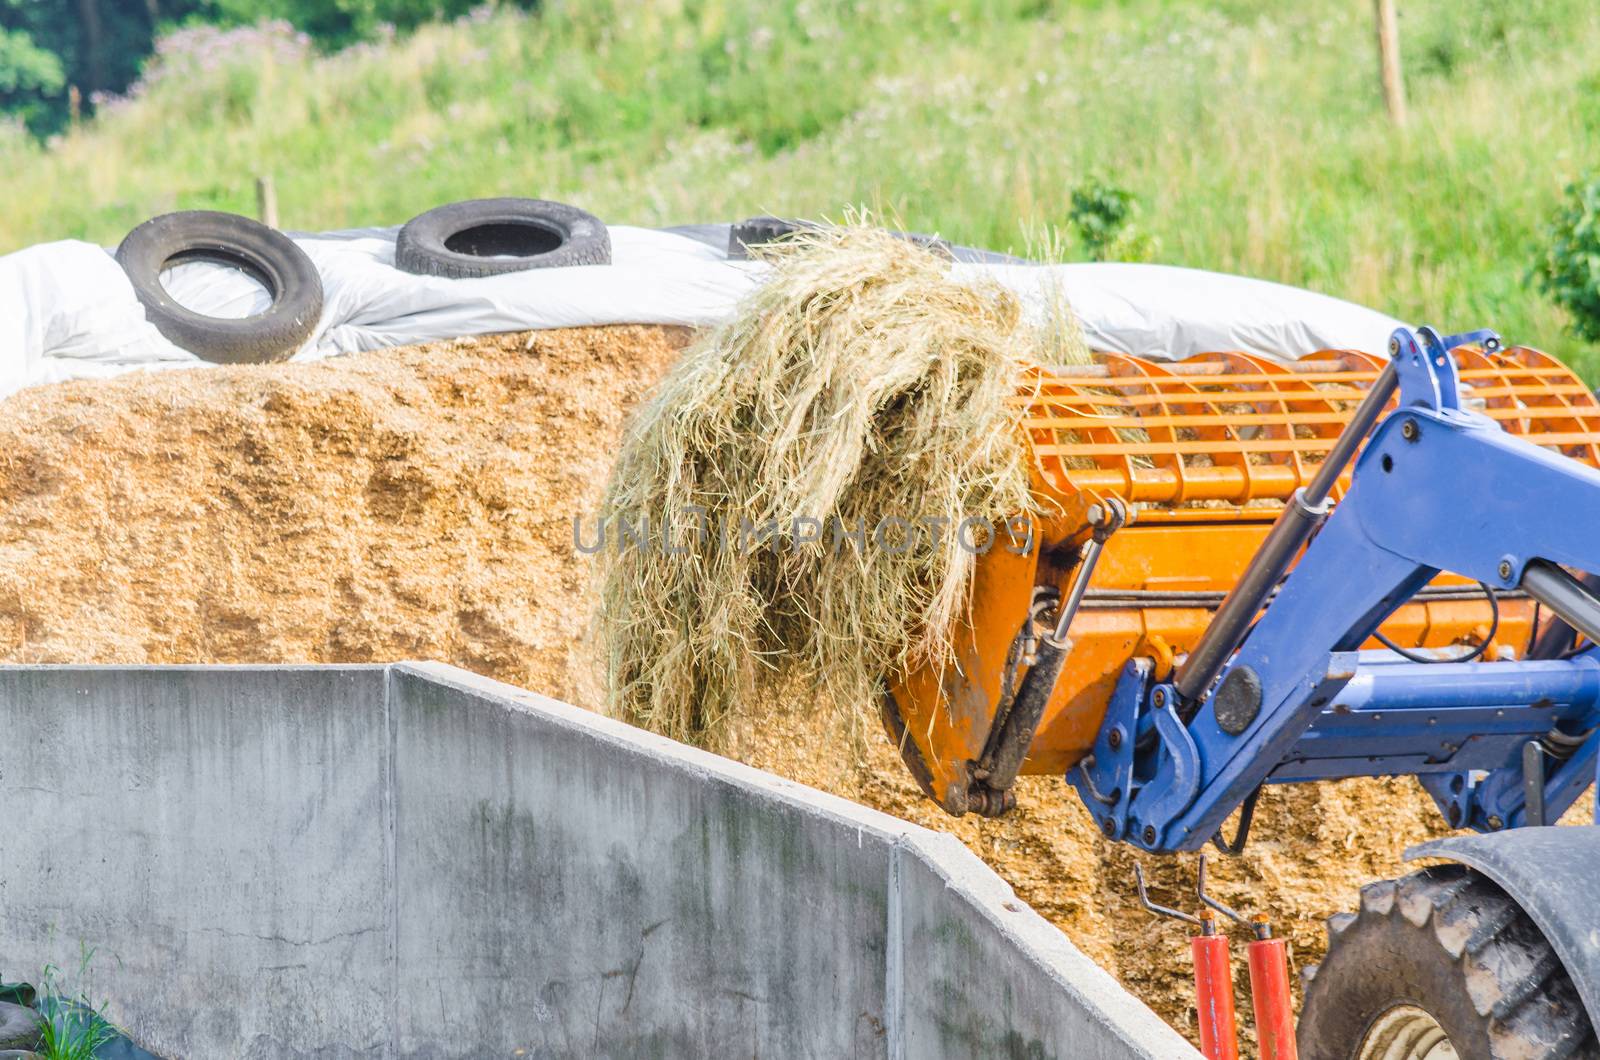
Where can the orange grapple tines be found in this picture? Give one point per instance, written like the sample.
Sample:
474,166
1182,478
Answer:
1204,451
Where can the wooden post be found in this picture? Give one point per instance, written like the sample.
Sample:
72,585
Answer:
267,202
1394,85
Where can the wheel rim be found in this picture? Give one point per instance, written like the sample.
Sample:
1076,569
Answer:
1406,1032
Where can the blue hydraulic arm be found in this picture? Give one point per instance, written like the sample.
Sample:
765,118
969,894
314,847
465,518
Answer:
1287,695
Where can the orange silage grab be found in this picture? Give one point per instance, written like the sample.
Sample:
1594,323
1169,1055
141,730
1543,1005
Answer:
1204,452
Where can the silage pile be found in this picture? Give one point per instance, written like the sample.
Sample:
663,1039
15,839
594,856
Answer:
415,503
419,503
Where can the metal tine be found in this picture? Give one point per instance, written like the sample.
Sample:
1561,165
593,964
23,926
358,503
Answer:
1220,906
1158,910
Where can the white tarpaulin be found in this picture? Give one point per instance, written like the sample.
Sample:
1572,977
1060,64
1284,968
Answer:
68,312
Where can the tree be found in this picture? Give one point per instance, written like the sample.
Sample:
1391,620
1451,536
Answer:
26,67
47,46
335,23
1568,270
30,76
92,38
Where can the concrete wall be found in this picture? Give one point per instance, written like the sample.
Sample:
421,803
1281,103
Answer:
410,861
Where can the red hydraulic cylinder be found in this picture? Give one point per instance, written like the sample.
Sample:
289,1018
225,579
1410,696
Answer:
1269,991
1213,992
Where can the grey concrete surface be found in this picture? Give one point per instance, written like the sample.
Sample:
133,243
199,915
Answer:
411,861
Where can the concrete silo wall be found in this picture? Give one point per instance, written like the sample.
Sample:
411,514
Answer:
411,861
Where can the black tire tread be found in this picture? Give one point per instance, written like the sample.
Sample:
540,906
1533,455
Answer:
420,247
1518,996
289,275
759,231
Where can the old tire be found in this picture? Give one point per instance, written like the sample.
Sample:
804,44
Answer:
1442,952
269,257
759,231
488,237
19,1027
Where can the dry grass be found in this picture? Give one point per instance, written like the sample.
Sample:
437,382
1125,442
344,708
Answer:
860,384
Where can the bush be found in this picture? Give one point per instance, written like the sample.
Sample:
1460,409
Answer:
1105,218
1569,270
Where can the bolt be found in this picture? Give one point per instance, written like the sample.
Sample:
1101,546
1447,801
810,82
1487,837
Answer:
1409,431
1394,347
1114,737
1505,568
1496,823
1159,697
1149,835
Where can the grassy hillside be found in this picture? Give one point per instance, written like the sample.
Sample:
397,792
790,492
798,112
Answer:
1250,131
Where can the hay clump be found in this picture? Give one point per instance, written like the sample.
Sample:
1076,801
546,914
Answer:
861,386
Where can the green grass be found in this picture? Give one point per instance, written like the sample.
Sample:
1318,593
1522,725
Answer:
1250,132
72,1029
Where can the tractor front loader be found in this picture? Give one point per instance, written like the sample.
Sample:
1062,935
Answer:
1217,600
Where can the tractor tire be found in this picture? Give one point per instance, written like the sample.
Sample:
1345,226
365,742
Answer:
1439,960
271,258
20,1028
488,237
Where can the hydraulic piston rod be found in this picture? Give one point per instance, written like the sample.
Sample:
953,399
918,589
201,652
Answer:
997,770
1401,686
1565,595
